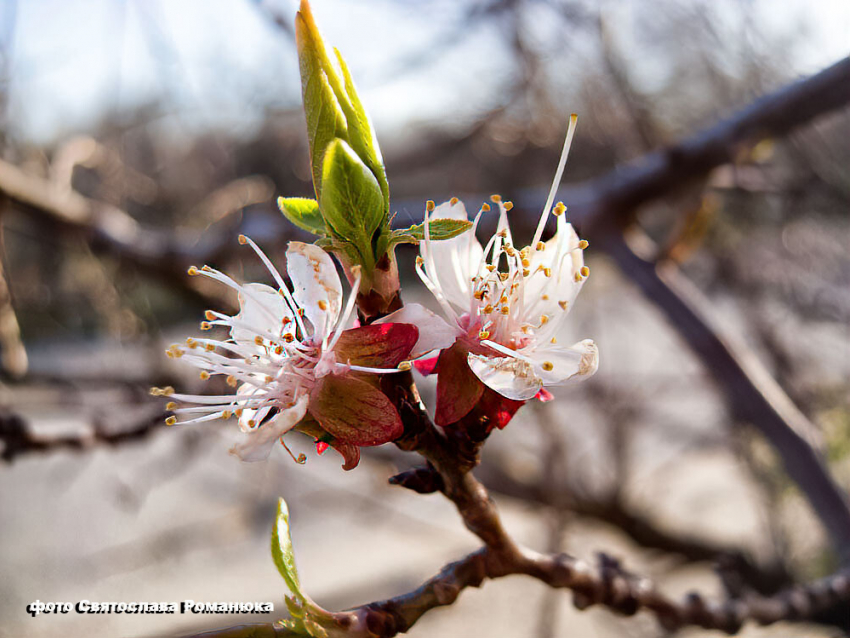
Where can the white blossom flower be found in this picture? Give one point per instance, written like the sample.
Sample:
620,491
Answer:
504,305
292,361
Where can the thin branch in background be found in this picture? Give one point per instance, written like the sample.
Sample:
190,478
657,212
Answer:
753,394
13,354
19,440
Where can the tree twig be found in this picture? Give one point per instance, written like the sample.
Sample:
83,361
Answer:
19,440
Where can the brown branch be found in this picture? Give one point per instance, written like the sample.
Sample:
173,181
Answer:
753,394
13,354
616,196
110,229
19,440
608,585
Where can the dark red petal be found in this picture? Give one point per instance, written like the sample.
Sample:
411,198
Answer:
458,389
544,396
426,366
354,412
498,409
383,345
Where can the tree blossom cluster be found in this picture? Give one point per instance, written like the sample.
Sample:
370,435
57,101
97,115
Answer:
296,360
293,356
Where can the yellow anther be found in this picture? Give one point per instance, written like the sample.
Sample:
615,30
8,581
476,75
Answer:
503,299
278,350
547,271
204,375
169,354
404,366
206,268
323,305
238,413
209,347
258,340
491,267
205,325
502,233
548,366
251,423
485,207
503,276
286,321
525,263
453,201
578,277
544,319
484,334
585,271
226,414
289,337
430,205
192,271
545,297
210,315
171,420
509,205
488,309
479,294
495,198
560,209
540,246
243,240
563,305
526,272
583,244
171,405
553,340
505,310
419,261
232,381
269,378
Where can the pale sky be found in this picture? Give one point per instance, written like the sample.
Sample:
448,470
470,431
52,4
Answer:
220,63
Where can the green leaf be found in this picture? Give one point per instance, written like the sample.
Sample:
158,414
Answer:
351,201
439,229
283,554
304,213
362,134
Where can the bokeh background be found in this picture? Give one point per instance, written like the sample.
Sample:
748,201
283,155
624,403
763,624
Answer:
140,136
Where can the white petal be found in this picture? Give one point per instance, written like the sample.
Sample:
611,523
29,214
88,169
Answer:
434,332
265,309
512,378
316,285
258,443
455,260
575,363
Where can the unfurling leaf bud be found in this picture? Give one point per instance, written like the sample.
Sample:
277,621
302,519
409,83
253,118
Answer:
340,131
